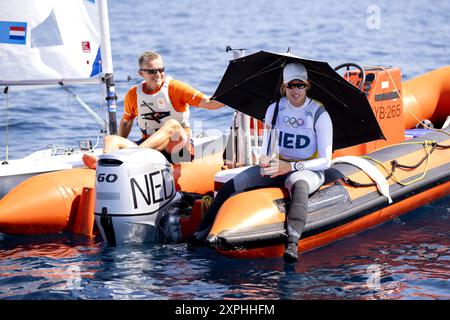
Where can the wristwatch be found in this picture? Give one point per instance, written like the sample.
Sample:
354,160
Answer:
298,166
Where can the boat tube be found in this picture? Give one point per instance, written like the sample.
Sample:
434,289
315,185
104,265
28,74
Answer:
252,223
427,97
44,203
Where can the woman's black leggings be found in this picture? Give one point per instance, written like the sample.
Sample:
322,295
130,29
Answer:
298,211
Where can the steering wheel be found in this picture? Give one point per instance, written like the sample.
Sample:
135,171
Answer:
362,73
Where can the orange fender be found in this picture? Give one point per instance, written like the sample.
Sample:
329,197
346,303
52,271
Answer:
427,97
197,176
44,203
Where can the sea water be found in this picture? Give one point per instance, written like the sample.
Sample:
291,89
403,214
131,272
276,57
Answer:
407,258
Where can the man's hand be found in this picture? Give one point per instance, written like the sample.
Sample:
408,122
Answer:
207,103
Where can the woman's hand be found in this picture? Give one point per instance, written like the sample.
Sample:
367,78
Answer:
276,168
264,161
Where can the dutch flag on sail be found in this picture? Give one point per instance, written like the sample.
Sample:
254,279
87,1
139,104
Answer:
17,33
13,32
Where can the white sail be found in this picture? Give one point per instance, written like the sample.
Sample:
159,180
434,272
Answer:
52,42
45,41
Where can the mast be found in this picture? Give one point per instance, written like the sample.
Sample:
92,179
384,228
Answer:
107,66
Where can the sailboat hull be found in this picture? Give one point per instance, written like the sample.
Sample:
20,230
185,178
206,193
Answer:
15,171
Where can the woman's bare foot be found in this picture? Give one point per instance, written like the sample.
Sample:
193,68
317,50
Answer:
90,160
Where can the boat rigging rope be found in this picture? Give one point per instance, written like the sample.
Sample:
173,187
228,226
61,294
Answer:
96,144
85,106
395,164
88,109
429,147
6,127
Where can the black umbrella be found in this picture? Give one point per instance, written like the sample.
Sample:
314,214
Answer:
251,83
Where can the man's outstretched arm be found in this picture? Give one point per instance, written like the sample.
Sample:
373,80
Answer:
207,103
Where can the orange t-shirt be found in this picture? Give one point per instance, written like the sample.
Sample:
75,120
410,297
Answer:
181,95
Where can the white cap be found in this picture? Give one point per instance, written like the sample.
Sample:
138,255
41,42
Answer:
294,71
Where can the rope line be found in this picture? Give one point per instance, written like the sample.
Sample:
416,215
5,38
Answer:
428,145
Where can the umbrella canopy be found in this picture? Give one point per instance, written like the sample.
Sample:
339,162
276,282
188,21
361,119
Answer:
251,83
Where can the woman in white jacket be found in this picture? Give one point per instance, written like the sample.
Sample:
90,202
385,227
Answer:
298,139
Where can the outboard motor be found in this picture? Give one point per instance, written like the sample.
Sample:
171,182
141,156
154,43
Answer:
135,192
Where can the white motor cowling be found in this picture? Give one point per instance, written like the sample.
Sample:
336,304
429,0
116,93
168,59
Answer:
134,188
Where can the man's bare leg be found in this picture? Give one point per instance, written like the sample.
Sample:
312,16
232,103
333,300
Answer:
111,143
169,132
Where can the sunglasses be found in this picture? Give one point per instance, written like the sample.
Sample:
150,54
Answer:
299,85
153,71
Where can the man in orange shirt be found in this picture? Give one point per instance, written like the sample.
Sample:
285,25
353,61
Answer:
161,106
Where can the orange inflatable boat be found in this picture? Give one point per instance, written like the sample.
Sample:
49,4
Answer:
415,163
251,224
